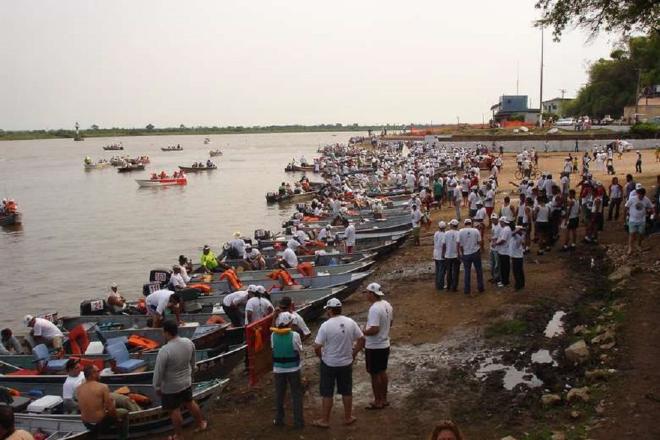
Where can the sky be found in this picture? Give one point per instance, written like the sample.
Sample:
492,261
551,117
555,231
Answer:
126,63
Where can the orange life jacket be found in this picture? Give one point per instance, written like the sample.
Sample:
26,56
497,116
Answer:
283,276
215,319
78,339
140,399
306,269
232,278
142,342
204,288
11,207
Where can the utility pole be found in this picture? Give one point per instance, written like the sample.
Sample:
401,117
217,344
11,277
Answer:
541,85
563,92
517,77
639,84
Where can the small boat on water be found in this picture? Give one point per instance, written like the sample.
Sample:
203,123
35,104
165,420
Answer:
214,153
11,219
207,141
90,165
199,167
295,167
147,421
162,179
131,167
172,148
114,147
275,197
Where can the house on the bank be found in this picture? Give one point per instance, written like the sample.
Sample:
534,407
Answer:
647,107
556,106
514,108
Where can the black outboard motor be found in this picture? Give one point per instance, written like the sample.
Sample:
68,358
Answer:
149,288
262,234
94,307
161,275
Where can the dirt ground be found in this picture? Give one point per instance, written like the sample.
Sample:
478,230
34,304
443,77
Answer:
442,341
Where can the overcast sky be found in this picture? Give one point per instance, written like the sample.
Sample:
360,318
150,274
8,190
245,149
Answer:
218,62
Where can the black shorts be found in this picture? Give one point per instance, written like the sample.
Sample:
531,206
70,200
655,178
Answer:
175,400
573,223
342,376
465,194
376,359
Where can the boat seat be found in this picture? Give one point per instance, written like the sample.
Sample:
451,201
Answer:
41,354
20,403
124,363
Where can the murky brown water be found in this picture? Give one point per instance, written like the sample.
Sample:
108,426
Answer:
84,230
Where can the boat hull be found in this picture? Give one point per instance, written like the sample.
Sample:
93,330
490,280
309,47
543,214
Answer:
148,183
15,218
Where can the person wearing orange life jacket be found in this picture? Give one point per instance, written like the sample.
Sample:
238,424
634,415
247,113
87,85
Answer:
283,276
306,269
232,278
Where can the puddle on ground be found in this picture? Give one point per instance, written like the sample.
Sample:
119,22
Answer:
512,376
556,326
543,357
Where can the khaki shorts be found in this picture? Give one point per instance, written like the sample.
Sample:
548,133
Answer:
57,342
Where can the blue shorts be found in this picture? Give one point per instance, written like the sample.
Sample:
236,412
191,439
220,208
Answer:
634,227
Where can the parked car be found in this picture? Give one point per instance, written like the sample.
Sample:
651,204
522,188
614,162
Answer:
565,122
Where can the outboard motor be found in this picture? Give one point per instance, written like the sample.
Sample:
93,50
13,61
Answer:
161,275
262,234
149,288
94,307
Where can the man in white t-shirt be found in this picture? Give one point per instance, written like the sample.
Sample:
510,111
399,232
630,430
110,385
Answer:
75,377
637,207
232,304
337,342
502,244
176,280
161,300
257,307
450,254
349,237
438,258
416,220
289,255
469,250
44,332
377,343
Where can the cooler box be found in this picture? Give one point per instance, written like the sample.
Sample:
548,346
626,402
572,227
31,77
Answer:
45,405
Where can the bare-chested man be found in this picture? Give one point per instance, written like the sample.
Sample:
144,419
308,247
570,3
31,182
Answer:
97,409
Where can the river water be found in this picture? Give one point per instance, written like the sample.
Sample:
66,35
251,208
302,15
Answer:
84,230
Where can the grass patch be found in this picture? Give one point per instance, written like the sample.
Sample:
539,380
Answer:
513,327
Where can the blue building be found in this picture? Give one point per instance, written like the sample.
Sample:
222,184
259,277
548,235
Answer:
510,105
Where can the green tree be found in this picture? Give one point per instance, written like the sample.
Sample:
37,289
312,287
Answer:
150,127
612,82
94,127
623,16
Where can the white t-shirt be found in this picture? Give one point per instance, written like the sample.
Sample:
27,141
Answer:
239,245
469,239
438,241
157,301
616,192
473,198
259,307
299,322
45,329
636,209
336,336
184,274
349,234
451,242
71,384
297,346
505,234
290,257
490,199
380,315
494,232
235,298
517,245
177,282
416,217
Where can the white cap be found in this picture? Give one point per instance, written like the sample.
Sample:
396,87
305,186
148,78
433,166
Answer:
284,319
442,225
638,186
467,221
114,285
252,288
261,289
237,234
27,319
453,222
493,216
504,219
375,289
332,303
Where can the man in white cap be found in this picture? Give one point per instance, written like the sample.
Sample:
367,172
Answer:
516,254
494,256
337,343
237,246
232,304
450,255
469,251
416,220
287,360
438,244
289,257
377,345
44,332
636,209
257,307
349,237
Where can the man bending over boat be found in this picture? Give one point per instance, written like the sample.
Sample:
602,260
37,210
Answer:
44,332
160,301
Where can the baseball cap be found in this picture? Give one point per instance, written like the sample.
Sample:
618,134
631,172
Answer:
252,288
27,319
638,186
467,221
283,319
332,303
261,289
453,222
114,285
493,216
375,289
442,225
504,219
